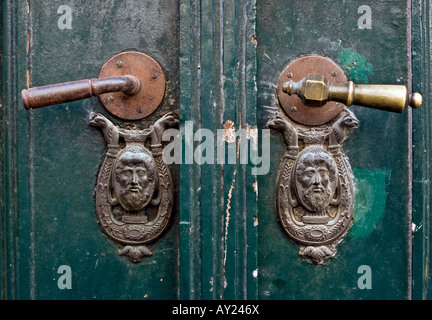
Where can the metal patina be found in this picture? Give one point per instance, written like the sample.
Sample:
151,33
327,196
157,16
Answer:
315,91
294,106
152,79
134,189
130,85
315,185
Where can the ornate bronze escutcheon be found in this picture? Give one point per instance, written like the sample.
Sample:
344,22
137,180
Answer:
314,195
315,184
134,189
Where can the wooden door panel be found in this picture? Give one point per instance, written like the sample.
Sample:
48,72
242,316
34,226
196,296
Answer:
58,167
222,60
378,151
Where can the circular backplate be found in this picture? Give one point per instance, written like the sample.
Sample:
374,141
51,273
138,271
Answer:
296,71
151,95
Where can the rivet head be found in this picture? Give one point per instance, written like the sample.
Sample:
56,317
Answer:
119,63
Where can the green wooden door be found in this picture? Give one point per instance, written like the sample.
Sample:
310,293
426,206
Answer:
380,237
231,62
374,42
222,60
53,247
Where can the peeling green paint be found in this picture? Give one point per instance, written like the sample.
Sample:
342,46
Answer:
370,199
356,67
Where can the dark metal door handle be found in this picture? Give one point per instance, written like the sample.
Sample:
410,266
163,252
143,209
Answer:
39,97
136,211
131,85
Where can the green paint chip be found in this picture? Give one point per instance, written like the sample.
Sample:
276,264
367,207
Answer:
370,199
356,67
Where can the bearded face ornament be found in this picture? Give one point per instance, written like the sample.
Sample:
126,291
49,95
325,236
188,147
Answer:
133,178
134,191
315,185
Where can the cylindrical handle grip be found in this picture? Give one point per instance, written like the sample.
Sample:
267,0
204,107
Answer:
38,97
314,90
394,98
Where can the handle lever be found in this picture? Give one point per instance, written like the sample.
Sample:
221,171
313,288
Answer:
130,85
314,91
39,97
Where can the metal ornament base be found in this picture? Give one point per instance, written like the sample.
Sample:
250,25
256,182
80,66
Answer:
152,92
134,189
293,105
315,184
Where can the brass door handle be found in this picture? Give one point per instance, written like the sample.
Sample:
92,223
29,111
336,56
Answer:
131,85
315,190
314,91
